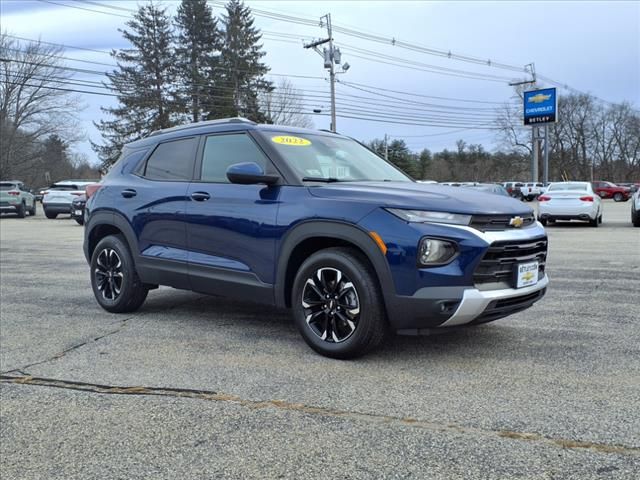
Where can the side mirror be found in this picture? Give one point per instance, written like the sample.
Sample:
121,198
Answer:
249,173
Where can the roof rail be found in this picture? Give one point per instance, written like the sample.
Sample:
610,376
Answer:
219,121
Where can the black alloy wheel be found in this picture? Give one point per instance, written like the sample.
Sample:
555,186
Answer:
114,279
331,305
338,304
108,274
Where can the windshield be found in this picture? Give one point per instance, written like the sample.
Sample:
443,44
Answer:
567,187
331,158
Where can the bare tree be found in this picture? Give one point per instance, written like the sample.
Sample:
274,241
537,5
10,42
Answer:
35,102
284,106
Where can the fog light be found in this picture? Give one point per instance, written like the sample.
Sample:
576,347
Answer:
435,252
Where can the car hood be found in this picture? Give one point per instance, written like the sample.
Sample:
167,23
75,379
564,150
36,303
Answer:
420,196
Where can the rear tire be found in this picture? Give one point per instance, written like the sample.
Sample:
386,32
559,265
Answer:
543,221
618,197
114,279
50,215
337,304
21,210
635,218
32,210
595,222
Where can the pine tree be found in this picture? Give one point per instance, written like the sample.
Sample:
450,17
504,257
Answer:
198,42
424,162
144,83
241,70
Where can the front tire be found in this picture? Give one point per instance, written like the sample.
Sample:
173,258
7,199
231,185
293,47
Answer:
337,304
114,279
543,221
618,197
79,220
635,218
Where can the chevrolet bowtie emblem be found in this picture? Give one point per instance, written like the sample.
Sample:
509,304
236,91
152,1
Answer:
516,222
527,276
539,98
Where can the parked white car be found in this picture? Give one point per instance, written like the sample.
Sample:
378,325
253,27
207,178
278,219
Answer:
570,201
59,196
635,209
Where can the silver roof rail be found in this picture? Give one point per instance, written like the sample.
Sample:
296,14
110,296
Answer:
219,121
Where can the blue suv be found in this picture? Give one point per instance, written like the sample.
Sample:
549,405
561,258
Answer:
309,220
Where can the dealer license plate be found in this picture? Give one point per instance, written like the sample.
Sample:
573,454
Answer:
79,212
527,274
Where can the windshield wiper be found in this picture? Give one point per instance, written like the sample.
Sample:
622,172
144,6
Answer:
320,179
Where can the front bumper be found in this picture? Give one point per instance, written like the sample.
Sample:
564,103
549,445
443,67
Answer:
468,306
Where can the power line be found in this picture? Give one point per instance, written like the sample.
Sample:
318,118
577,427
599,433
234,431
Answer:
407,101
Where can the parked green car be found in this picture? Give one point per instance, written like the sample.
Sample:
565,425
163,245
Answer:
15,197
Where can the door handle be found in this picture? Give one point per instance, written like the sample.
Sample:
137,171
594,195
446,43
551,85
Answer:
200,196
128,193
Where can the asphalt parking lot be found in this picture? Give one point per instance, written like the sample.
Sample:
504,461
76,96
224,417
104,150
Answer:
201,387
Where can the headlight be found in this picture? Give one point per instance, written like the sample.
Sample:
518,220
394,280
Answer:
433,251
423,216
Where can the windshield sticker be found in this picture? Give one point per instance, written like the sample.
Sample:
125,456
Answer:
293,141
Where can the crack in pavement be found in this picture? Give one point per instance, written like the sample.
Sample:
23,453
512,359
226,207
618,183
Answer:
123,324
210,395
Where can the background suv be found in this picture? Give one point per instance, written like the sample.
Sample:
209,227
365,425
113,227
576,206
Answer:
17,198
59,196
309,220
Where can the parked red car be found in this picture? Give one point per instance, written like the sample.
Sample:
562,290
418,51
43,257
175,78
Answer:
611,190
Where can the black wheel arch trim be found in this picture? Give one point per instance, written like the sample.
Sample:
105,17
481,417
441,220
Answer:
112,219
343,231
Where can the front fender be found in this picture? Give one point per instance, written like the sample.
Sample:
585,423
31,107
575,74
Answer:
336,230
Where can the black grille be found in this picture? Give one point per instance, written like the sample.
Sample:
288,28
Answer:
497,267
487,223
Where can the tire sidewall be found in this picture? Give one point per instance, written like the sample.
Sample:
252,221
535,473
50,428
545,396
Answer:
368,297
116,243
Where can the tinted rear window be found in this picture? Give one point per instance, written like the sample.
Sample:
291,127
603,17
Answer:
172,160
8,186
63,187
574,187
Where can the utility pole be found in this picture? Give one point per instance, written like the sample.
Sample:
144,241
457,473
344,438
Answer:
332,74
332,57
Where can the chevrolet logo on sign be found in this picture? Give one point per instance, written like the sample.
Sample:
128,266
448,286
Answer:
539,98
516,222
527,277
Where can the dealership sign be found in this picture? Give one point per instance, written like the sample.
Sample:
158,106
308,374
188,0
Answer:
540,106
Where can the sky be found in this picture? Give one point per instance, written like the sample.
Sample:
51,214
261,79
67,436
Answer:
593,47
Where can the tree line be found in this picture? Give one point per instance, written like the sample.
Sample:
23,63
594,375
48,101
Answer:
189,68
194,66
38,122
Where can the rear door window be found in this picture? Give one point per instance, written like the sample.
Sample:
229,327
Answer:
172,161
